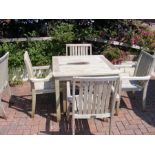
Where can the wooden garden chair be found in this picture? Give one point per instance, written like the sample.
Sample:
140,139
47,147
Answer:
142,74
96,98
38,85
78,49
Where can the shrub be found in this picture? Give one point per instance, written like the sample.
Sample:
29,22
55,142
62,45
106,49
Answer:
87,32
40,52
115,55
112,53
63,32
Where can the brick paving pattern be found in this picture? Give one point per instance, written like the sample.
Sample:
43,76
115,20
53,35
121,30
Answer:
130,121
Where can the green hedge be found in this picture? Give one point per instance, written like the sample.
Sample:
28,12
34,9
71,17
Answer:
40,52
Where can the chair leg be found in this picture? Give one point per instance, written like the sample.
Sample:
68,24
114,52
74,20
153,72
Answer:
2,111
73,125
9,90
144,96
33,102
68,112
64,98
117,107
110,123
10,94
133,95
118,99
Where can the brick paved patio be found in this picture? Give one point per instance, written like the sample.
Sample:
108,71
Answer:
130,121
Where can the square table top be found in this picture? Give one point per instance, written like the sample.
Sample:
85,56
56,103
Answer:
90,65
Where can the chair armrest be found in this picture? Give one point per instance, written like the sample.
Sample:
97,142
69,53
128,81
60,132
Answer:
125,65
41,67
49,76
46,79
138,78
38,80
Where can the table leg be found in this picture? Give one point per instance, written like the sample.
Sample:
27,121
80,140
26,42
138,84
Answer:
57,97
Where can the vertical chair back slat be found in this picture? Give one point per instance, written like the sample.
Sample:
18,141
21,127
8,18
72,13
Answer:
85,102
94,97
78,49
97,97
86,50
103,97
108,92
81,97
90,99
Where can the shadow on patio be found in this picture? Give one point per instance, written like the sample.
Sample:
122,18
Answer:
45,107
134,106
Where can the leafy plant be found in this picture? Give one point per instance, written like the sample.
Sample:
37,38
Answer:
112,53
87,32
63,32
40,52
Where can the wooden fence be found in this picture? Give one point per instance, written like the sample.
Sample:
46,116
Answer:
25,39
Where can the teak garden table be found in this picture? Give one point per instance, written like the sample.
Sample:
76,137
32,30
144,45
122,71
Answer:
66,67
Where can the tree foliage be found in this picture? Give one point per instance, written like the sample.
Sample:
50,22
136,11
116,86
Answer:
67,31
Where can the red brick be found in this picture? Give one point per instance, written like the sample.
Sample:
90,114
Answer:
127,132
26,132
132,127
151,130
115,131
34,132
130,132
12,132
123,132
135,122
120,126
125,123
92,126
99,125
19,132
128,116
137,132
142,128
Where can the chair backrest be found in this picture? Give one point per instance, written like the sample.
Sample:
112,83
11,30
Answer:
78,49
144,65
97,95
4,71
28,65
